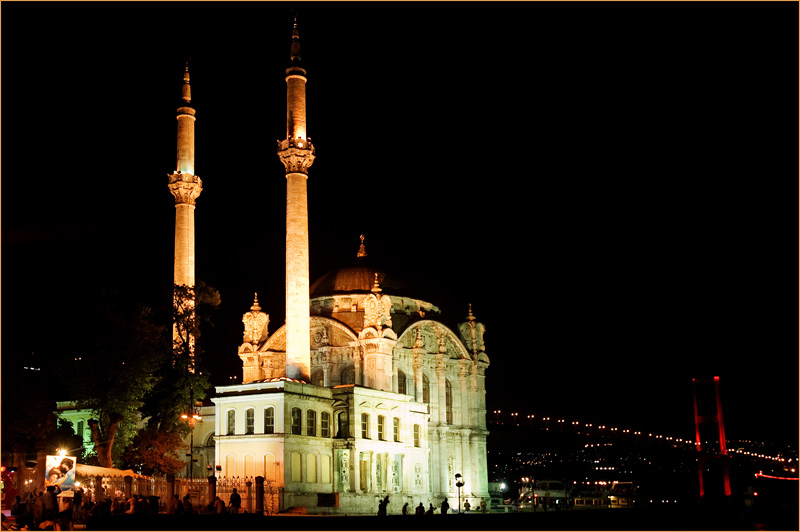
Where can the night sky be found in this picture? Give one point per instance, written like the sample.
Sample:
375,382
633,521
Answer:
612,186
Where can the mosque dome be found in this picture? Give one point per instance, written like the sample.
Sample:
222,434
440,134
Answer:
357,278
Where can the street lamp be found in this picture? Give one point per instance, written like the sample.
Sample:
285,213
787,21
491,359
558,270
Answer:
514,415
459,484
531,420
191,418
545,423
496,418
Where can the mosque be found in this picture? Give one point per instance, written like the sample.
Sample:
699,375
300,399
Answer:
363,392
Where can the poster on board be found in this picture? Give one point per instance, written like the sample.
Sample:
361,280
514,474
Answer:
60,472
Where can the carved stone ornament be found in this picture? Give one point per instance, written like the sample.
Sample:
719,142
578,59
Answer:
255,324
185,188
377,311
297,155
319,337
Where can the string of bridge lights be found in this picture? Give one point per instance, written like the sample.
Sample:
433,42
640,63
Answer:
614,431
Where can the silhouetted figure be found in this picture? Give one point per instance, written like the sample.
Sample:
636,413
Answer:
445,507
420,510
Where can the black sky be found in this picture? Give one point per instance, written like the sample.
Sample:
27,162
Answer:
611,185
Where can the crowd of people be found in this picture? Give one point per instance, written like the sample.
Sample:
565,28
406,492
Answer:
420,510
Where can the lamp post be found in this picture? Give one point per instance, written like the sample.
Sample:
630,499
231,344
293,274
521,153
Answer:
191,418
459,484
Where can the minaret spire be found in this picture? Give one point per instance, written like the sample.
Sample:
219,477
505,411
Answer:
297,155
185,187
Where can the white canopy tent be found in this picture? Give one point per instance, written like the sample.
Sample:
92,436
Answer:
105,472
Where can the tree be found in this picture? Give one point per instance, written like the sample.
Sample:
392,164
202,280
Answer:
183,381
121,351
153,451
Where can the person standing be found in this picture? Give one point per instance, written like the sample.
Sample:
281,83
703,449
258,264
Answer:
420,509
405,509
483,505
445,507
467,506
235,501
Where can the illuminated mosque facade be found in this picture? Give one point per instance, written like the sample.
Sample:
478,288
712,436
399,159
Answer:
362,393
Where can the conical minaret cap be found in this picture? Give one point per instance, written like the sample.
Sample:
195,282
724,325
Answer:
295,53
186,91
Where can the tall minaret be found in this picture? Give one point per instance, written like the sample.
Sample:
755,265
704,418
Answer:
186,187
297,155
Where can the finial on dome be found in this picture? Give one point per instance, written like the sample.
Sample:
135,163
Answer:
470,317
375,286
362,251
255,303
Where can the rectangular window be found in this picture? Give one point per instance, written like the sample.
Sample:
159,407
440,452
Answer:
297,420
231,422
311,423
416,436
325,424
269,420
250,421
365,426
381,422
396,428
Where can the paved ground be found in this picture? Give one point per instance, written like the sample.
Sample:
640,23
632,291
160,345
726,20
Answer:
654,518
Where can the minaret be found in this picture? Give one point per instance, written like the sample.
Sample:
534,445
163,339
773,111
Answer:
297,155
186,187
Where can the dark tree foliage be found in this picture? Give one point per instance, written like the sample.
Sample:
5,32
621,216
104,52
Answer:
155,451
183,381
120,350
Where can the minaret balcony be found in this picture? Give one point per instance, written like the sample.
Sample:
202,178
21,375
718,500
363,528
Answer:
297,155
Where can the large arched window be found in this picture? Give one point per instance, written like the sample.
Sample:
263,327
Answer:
311,422
297,420
448,401
325,424
381,427
401,382
426,389
231,422
250,421
269,420
365,425
348,375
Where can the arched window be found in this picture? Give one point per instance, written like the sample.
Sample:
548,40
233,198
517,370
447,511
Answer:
365,425
401,382
348,375
250,421
426,389
325,424
269,420
381,426
416,435
297,420
311,423
231,428
396,429
448,401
